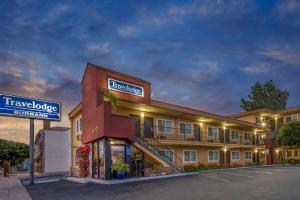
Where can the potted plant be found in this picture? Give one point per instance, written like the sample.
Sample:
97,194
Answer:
121,169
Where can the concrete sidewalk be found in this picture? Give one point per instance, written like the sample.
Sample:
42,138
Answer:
12,189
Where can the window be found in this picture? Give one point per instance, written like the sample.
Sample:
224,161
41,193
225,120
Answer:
248,155
296,153
213,156
289,154
247,136
164,126
79,126
185,128
235,135
212,132
168,153
235,155
291,118
190,156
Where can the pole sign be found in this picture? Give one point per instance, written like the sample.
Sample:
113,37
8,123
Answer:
16,106
125,87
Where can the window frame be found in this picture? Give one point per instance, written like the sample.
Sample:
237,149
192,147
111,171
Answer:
164,127
236,131
212,128
247,133
246,156
291,116
79,126
214,151
231,157
185,123
292,153
191,150
173,156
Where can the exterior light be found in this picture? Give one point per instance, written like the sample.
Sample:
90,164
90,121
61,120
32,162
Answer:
201,124
255,133
142,114
255,151
277,150
276,118
263,124
262,136
261,118
224,127
225,149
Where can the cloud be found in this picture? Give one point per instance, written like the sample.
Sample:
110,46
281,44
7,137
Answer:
258,68
99,48
283,54
127,31
288,7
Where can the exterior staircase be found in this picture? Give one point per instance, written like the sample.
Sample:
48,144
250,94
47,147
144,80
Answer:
150,147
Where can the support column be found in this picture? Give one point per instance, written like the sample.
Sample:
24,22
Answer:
107,155
31,152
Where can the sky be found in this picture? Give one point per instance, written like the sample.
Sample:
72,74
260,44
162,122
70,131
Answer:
201,54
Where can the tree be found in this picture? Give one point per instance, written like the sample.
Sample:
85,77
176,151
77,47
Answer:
289,134
13,152
265,96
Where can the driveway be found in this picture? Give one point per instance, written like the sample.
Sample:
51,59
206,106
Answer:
281,182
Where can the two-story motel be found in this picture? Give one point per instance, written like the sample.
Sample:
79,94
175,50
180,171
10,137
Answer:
272,121
152,136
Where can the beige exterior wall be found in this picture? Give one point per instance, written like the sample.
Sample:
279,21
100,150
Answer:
202,154
76,142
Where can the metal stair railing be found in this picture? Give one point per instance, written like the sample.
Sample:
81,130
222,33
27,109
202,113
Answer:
176,163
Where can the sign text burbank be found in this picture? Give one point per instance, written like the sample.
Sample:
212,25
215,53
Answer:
30,108
125,87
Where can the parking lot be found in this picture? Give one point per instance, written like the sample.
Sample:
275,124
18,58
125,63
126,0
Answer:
280,182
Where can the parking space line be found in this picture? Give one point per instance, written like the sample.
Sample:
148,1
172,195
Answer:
255,171
216,178
271,169
231,173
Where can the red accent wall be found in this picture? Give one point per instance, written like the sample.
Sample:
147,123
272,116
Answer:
98,120
270,146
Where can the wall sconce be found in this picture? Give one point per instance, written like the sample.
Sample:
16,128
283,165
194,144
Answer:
142,114
201,124
225,149
277,150
224,127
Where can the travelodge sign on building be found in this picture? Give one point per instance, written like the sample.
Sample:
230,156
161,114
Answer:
125,87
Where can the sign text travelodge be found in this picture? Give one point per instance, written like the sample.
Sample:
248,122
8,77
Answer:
29,108
125,87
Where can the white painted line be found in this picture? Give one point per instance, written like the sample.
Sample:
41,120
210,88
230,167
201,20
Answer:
271,169
231,173
216,178
46,181
255,171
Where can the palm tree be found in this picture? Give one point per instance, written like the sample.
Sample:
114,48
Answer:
110,97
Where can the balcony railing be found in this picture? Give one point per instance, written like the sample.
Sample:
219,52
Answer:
177,134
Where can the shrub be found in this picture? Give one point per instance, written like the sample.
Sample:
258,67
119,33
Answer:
84,163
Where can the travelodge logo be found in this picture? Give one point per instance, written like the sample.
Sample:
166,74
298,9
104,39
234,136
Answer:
125,87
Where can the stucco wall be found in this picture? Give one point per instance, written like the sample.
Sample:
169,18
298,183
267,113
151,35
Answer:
57,151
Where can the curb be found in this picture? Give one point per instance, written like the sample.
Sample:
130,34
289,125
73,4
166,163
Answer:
130,180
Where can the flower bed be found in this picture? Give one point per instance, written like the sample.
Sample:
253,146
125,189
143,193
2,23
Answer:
193,167
84,163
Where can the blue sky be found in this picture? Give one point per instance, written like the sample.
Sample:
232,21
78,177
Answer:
201,54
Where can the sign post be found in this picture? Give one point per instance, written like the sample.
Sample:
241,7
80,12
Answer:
24,107
31,152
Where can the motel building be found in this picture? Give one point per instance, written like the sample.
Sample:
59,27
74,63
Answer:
155,137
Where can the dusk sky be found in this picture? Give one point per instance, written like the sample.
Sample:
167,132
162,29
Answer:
200,54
